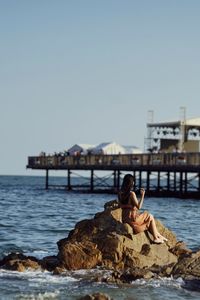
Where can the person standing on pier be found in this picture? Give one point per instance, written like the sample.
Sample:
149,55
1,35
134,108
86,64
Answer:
130,206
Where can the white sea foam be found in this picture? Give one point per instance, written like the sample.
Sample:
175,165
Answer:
40,253
40,296
162,281
35,277
83,272
38,276
49,278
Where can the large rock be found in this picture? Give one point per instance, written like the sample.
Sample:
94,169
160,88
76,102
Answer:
106,241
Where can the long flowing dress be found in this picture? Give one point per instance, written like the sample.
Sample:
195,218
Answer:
138,221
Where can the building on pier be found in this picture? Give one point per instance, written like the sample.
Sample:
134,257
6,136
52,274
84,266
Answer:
174,136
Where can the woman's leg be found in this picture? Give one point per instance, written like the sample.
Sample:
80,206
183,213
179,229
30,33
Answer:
154,231
146,221
152,227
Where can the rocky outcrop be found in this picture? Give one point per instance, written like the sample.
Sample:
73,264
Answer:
188,266
106,242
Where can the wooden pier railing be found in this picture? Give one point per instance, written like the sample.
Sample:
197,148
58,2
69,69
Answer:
171,161
161,174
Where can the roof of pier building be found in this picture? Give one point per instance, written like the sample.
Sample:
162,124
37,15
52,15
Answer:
190,123
181,134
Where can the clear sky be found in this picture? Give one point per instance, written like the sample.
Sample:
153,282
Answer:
88,71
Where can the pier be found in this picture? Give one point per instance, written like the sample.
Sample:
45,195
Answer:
161,174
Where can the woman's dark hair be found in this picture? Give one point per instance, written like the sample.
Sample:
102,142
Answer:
126,187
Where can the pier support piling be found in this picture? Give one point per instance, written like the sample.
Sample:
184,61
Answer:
47,179
168,181
92,181
148,181
114,179
69,180
199,183
118,179
158,181
186,182
140,180
181,182
174,181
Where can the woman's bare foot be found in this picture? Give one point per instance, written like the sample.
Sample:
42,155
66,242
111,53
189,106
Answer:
162,237
158,241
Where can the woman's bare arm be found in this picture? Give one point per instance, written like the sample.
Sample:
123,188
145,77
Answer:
142,193
135,201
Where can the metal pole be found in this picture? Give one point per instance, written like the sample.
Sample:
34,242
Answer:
150,130
182,128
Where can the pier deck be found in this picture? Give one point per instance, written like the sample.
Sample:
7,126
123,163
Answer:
161,174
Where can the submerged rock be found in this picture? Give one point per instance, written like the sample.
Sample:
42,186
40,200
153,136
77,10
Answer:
19,262
50,263
96,296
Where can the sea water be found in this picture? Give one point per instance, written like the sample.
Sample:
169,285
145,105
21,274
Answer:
32,220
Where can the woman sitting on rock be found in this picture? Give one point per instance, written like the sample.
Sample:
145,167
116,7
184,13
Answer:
130,206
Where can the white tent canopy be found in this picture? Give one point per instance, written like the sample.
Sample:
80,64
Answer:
103,148
80,148
132,150
108,148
